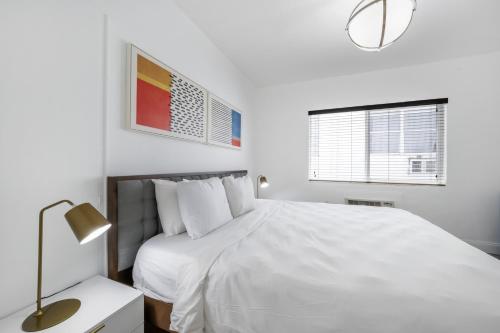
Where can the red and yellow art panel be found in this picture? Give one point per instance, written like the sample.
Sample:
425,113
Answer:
153,95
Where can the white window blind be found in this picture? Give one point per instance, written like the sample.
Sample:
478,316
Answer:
390,143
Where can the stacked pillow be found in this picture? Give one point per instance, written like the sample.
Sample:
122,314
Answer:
239,192
201,206
168,209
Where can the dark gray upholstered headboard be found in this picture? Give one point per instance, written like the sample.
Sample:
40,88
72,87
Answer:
134,217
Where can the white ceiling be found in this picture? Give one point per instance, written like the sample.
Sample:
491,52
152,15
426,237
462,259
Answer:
282,41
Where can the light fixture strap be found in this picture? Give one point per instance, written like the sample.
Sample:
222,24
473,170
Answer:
384,20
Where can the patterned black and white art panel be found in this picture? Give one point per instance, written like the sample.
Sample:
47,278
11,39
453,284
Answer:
224,123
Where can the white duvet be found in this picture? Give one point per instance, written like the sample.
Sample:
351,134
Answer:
310,267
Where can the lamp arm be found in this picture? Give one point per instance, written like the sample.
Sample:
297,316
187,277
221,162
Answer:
257,185
39,311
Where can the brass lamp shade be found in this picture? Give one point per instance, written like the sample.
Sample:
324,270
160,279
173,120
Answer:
86,222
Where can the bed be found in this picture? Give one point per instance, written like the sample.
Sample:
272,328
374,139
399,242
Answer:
131,209
304,267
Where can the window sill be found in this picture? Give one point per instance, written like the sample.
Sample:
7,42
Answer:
376,183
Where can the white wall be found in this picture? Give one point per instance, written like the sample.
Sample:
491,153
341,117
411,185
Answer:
60,134
51,135
469,206
163,31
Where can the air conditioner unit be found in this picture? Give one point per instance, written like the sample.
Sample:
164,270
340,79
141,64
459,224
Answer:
421,165
373,203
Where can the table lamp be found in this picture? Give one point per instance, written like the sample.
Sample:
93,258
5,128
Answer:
87,224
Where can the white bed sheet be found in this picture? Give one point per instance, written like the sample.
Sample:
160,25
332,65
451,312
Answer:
161,258
311,267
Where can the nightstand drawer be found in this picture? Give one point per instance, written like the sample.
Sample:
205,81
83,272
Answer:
126,320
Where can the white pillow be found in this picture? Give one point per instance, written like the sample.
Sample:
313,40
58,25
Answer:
203,206
168,208
240,194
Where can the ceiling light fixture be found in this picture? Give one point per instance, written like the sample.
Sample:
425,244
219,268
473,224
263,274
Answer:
376,24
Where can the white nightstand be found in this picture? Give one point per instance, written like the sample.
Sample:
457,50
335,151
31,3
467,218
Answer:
107,307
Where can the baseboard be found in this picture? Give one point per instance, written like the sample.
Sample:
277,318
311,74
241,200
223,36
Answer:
488,247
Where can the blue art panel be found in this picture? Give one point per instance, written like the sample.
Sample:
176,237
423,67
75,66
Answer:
236,128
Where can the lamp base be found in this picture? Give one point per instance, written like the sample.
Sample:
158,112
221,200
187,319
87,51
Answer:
52,314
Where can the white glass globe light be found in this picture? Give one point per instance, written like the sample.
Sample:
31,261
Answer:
376,24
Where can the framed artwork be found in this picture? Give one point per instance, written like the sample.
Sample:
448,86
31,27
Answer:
164,102
224,123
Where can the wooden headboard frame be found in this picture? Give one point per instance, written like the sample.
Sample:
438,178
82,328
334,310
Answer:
125,276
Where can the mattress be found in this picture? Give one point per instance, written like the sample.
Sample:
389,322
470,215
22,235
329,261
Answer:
322,268
158,262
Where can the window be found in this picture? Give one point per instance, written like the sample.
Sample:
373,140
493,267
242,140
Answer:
390,143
